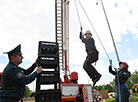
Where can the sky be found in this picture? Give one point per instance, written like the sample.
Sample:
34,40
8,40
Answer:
27,22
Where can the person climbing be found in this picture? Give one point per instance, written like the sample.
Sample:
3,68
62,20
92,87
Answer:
121,76
92,56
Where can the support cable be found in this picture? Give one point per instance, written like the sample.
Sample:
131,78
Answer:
94,30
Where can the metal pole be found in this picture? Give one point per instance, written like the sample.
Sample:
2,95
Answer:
114,47
110,32
66,35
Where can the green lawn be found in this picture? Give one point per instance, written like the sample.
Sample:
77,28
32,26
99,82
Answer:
133,98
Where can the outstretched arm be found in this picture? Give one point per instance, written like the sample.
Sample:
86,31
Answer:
18,76
82,35
111,71
31,69
110,68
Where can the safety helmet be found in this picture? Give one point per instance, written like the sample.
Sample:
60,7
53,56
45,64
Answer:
88,32
125,64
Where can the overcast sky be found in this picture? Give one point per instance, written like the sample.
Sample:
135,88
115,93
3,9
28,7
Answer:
27,22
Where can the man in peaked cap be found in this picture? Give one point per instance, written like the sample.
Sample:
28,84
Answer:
92,56
14,78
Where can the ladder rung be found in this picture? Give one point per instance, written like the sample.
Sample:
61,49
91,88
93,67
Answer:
61,48
59,40
59,26
59,35
59,20
59,31
59,10
59,6
59,13
60,23
59,16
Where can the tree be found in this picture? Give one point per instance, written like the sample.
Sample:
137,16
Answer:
27,92
98,88
113,85
108,87
133,80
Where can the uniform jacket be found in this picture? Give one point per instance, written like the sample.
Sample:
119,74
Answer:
14,79
122,74
89,42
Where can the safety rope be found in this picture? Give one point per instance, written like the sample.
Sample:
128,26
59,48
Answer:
77,12
93,28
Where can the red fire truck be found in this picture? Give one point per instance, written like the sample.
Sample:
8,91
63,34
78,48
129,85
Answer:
0,77
70,89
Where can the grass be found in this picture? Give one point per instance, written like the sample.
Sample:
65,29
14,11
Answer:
133,98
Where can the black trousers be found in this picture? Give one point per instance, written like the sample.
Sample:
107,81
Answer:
92,56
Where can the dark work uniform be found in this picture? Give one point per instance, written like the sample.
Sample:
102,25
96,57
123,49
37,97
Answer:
123,76
14,79
92,56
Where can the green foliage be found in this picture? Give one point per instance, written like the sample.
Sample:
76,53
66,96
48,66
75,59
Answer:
104,87
113,84
27,92
110,100
134,98
108,87
133,80
98,88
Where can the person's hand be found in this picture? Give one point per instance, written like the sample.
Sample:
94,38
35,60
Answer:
39,69
110,62
81,28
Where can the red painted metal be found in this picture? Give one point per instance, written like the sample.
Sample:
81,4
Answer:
66,67
0,77
69,99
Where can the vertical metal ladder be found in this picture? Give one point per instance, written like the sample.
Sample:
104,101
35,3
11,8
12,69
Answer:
59,29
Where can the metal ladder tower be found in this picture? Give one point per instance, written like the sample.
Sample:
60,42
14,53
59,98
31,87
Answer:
59,29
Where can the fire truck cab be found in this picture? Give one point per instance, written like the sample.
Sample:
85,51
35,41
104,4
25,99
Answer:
76,92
